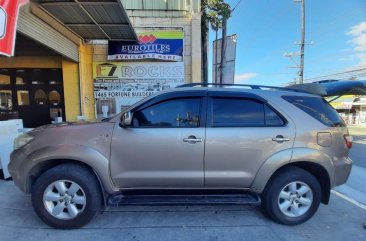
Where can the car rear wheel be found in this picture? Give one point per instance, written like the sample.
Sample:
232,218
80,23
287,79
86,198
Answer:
292,196
66,196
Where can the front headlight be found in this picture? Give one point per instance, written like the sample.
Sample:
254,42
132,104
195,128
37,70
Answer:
22,140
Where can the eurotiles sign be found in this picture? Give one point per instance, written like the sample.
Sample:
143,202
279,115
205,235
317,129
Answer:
157,45
121,84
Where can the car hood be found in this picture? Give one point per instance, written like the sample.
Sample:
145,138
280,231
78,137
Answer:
96,135
62,125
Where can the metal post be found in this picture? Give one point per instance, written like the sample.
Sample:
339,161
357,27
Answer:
216,65
222,51
301,70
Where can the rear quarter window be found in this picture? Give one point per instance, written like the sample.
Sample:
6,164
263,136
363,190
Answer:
317,108
240,112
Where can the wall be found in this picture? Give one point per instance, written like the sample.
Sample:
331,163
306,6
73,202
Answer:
31,62
70,73
86,81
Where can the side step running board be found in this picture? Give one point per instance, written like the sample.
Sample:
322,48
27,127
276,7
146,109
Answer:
120,199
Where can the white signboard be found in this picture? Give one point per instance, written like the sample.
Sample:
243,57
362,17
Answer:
118,85
229,60
2,22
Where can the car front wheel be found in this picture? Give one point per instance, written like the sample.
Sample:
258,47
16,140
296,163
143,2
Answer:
292,196
66,196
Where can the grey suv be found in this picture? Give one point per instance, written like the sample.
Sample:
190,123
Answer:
283,148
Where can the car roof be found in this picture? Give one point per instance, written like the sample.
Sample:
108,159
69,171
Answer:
261,92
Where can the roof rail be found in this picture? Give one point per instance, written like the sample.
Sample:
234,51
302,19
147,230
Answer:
260,87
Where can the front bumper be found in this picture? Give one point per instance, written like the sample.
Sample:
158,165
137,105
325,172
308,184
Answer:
18,171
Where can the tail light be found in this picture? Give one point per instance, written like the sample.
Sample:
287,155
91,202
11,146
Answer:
348,140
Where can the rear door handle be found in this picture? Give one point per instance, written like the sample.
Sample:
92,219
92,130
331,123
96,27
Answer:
280,139
192,139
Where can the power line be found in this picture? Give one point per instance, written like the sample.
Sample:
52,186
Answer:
351,73
237,4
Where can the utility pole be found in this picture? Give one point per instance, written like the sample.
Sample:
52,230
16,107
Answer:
302,49
223,42
302,44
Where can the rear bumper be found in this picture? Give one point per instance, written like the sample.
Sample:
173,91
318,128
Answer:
342,170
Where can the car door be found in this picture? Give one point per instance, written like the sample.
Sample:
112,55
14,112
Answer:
164,147
243,131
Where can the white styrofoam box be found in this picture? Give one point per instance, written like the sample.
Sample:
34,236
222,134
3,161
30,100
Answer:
5,150
7,136
9,130
17,122
8,127
81,118
58,119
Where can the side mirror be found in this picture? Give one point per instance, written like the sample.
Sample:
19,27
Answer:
126,119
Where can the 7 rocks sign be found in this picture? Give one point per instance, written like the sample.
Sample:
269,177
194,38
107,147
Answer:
118,85
160,45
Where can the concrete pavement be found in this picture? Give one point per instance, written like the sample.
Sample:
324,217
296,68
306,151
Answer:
340,220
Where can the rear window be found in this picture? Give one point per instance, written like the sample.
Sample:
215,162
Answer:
318,108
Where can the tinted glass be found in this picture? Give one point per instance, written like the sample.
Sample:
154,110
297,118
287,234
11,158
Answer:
4,77
317,108
237,112
272,118
23,97
171,113
6,100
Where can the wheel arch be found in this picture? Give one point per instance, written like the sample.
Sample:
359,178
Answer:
43,166
311,160
37,162
320,173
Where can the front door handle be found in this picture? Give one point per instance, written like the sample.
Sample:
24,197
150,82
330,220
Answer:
280,139
192,139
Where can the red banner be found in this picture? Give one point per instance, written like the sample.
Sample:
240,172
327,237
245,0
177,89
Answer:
9,10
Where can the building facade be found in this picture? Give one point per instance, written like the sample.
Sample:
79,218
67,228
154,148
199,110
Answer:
62,46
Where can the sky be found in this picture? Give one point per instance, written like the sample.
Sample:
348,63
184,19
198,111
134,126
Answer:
266,29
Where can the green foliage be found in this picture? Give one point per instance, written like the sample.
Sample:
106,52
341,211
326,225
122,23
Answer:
214,11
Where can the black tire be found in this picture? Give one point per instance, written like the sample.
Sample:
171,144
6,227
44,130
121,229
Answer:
90,193
271,196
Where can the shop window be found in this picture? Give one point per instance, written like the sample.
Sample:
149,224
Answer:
6,100
19,78
54,97
19,81
37,77
23,97
4,77
40,97
55,77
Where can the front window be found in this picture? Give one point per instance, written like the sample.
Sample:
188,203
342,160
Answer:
174,113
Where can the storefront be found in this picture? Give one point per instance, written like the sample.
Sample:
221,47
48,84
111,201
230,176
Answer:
351,108
50,77
58,71
29,92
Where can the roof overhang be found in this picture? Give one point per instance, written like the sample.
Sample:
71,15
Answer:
92,19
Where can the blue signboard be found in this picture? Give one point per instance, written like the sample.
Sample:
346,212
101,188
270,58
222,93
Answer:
162,45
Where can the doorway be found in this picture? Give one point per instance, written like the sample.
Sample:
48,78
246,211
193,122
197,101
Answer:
35,95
